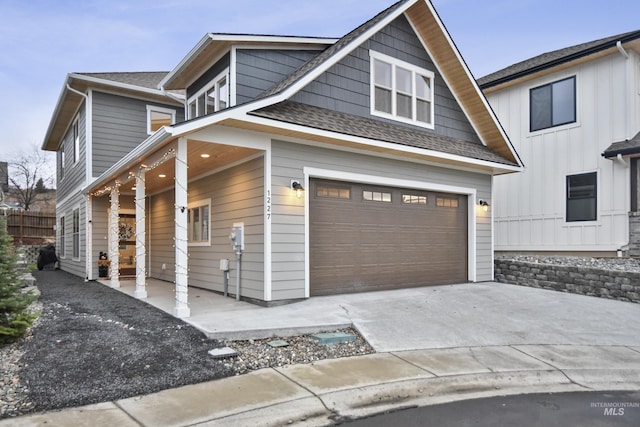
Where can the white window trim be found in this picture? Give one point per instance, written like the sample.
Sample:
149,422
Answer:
598,197
157,109
214,82
549,81
62,223
395,62
73,233
198,204
75,128
61,162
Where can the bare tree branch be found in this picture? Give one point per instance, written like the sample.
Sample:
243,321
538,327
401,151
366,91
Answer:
25,170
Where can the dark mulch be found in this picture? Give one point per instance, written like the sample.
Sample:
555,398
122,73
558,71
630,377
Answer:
96,344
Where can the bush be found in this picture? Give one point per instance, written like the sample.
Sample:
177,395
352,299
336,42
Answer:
15,318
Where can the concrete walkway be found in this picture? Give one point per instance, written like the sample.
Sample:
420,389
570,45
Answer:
434,345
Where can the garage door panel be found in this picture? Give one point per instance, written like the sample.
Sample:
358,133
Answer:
358,244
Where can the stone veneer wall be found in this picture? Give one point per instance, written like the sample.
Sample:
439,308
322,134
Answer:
620,285
634,233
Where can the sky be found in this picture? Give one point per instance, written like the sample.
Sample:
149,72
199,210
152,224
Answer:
41,41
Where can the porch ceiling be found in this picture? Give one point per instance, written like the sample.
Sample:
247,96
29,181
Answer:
161,177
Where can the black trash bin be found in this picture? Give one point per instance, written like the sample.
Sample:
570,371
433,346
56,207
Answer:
47,257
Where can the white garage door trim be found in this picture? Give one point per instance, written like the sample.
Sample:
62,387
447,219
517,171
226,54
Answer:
311,172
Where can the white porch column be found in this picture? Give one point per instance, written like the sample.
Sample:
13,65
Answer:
141,235
182,260
114,253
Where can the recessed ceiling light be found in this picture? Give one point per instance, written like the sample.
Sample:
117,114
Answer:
133,188
162,175
205,155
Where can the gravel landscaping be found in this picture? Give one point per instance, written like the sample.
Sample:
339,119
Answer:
93,344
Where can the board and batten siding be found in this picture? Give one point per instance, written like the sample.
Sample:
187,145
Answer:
530,206
345,87
237,195
259,69
74,173
119,126
288,220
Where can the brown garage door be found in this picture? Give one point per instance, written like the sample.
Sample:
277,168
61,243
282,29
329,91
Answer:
365,238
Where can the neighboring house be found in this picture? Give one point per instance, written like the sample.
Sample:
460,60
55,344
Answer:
343,165
574,117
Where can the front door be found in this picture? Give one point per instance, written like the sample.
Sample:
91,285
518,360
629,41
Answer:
127,244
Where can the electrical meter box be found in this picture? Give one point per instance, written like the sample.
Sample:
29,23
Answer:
224,264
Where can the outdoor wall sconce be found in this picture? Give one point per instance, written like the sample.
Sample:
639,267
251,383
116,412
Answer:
297,187
484,204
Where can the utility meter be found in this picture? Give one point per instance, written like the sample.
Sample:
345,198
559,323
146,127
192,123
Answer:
237,236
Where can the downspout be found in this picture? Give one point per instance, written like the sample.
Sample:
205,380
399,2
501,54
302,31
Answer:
88,211
627,130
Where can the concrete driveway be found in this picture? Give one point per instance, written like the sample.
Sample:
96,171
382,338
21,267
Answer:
465,315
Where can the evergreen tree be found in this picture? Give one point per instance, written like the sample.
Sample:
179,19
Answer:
40,187
14,317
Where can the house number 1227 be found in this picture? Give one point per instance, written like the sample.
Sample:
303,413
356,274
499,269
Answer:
268,205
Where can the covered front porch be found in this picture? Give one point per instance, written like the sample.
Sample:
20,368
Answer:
178,203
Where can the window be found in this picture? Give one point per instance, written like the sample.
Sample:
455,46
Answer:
213,97
582,197
61,160
553,104
333,192
376,196
401,91
76,233
446,202
158,117
198,223
76,141
412,199
61,249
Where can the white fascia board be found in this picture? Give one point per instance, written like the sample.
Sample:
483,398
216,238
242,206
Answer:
127,86
343,52
141,150
383,144
469,77
56,111
249,38
196,50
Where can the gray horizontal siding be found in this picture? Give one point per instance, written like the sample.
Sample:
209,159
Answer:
288,228
119,125
74,173
237,195
345,86
68,263
259,69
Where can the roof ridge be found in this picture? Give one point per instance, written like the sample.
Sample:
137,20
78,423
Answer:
552,58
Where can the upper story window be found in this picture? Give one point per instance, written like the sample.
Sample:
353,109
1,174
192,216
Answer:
553,104
582,197
401,91
213,97
158,117
76,141
61,160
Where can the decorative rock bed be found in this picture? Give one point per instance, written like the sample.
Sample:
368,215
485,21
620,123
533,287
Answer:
613,278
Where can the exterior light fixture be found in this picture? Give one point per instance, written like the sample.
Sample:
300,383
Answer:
297,187
205,155
484,204
162,175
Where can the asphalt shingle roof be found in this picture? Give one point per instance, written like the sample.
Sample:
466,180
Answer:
629,146
146,79
329,120
553,58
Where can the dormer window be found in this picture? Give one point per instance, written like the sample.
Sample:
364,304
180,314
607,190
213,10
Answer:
401,91
213,97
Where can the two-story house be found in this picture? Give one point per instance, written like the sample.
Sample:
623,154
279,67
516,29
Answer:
574,117
338,165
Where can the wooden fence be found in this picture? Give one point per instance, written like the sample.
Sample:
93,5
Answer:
29,228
